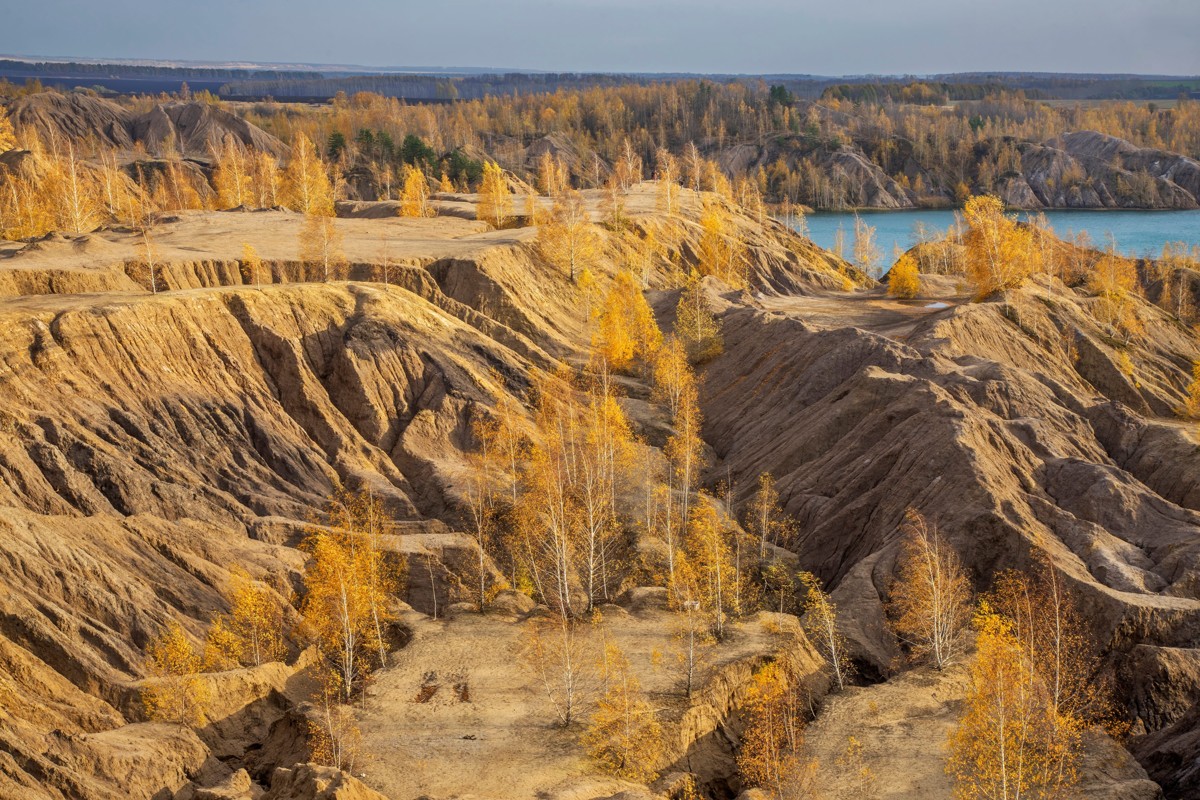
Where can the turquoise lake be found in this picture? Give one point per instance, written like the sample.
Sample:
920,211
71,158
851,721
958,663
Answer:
1137,233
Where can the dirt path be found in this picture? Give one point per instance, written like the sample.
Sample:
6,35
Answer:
870,310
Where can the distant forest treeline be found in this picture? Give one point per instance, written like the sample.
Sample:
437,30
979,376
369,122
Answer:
74,69
469,84
430,87
920,93
867,89
830,153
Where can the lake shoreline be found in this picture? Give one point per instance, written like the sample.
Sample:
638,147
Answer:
1138,232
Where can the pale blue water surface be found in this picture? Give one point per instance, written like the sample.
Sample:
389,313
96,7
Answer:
1137,233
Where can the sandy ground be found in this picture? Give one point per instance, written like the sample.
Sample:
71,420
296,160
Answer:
194,235
902,725
872,309
505,741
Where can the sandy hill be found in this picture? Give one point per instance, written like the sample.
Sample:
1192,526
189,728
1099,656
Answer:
151,442
1081,169
195,129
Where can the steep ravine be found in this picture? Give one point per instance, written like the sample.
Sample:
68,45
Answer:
978,423
149,443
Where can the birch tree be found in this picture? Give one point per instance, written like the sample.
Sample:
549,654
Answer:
930,599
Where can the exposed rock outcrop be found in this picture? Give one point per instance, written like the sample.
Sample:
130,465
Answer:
1086,169
149,443
314,782
861,182
1081,169
1172,755
975,416
194,129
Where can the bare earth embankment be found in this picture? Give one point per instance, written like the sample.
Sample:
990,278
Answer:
149,443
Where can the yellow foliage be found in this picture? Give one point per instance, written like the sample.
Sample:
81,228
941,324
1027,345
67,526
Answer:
333,734
999,253
75,189
765,520
853,765
1061,651
627,330
495,199
628,167
667,175
824,630
566,518
589,288
710,555
252,265
622,733
770,756
414,200
673,376
533,210
252,633
567,239
904,281
866,252
306,184
349,584
148,265
695,324
721,251
685,451
557,650
693,635
612,203
221,647
321,247
174,188
1009,743
1191,406
177,693
264,181
233,176
1115,280
930,600
8,137
553,176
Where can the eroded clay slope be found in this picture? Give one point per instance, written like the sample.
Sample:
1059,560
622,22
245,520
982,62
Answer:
151,442
979,416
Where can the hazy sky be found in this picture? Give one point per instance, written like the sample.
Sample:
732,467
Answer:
831,37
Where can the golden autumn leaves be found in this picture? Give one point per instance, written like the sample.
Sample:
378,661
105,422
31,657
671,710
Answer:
56,189
553,503
623,733
708,581
249,635
349,583
1035,687
1035,681
346,611
931,598
8,137
1000,253
76,187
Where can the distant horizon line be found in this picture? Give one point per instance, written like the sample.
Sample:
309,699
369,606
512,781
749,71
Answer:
317,67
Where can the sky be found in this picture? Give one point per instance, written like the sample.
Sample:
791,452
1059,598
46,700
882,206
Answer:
829,37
